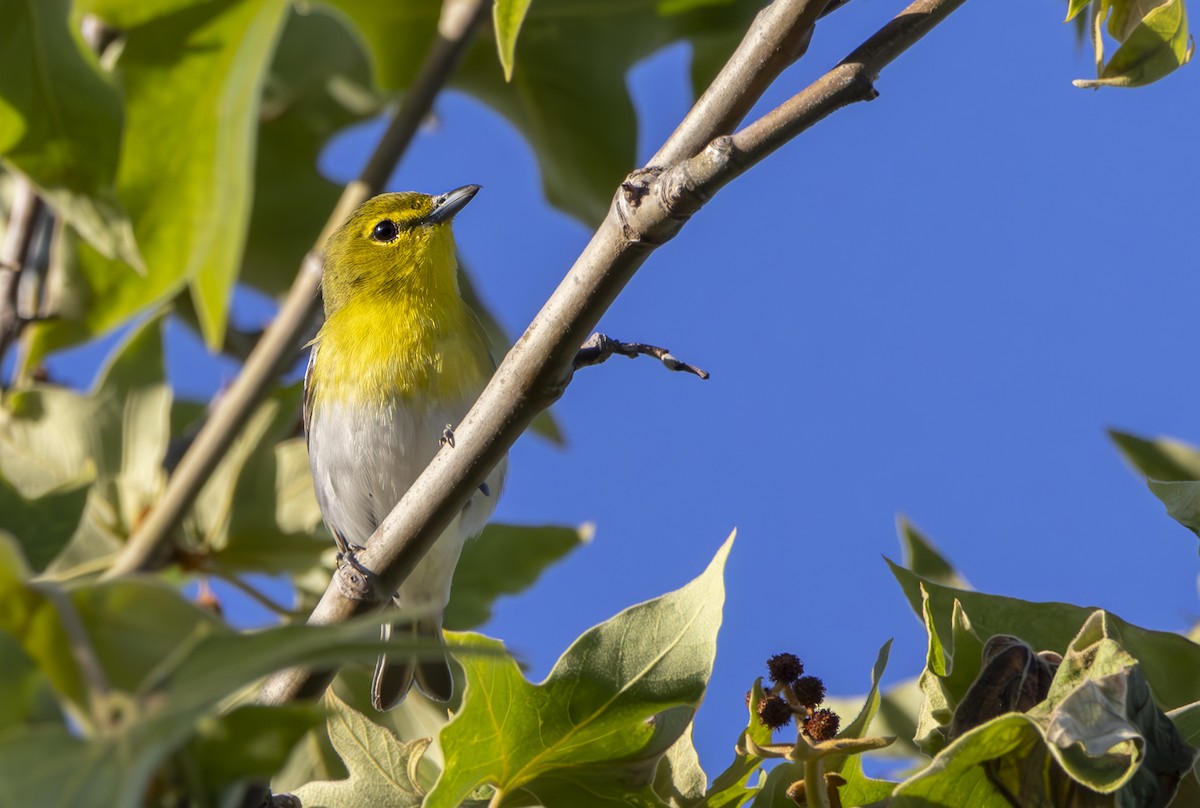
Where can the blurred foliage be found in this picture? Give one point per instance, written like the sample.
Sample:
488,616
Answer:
178,154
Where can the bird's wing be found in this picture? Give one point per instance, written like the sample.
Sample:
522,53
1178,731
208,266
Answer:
309,386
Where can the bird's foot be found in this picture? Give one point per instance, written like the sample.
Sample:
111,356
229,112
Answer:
354,580
447,438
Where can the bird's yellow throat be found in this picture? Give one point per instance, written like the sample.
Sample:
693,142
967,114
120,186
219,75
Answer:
396,327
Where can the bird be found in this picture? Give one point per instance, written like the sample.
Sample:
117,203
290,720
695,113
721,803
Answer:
398,361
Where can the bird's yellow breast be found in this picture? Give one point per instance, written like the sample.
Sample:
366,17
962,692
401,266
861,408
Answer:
406,349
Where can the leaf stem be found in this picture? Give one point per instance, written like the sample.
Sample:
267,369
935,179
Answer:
815,790
279,346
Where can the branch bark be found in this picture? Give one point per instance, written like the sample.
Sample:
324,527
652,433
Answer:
280,343
18,239
649,208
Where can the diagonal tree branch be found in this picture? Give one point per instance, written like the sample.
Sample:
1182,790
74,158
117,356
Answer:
649,208
279,344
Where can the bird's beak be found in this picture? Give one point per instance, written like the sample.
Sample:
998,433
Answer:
450,203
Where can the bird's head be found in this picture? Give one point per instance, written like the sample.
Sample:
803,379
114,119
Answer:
394,244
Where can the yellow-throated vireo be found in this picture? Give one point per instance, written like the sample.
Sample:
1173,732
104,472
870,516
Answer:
400,357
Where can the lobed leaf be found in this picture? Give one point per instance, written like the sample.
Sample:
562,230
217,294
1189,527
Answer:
382,769
612,706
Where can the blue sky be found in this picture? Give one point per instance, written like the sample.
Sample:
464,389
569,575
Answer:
932,304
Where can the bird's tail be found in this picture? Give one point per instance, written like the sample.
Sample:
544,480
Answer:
395,673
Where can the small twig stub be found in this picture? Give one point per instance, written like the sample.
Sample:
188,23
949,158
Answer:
599,347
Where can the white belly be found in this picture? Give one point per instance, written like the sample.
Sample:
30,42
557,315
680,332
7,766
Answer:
362,465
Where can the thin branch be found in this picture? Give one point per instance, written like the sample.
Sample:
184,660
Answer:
778,37
279,345
649,209
258,597
18,240
599,347
80,645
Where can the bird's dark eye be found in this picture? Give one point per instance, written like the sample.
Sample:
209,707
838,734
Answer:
385,231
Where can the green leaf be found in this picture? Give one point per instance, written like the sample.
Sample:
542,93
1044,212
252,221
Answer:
1171,663
192,80
646,671
679,780
26,697
42,526
899,706
1154,41
132,421
1099,727
923,558
1182,500
383,770
318,85
60,121
507,16
1074,7
257,511
1159,458
568,94
250,741
732,788
46,440
504,560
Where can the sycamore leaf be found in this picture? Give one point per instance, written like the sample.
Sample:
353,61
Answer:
1099,727
504,560
679,780
383,770
191,78
1171,663
614,703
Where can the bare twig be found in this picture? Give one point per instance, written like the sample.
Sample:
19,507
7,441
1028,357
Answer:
18,239
279,345
648,210
599,347
258,597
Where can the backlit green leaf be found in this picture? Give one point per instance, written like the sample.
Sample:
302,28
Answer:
1159,458
191,80
319,83
507,16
